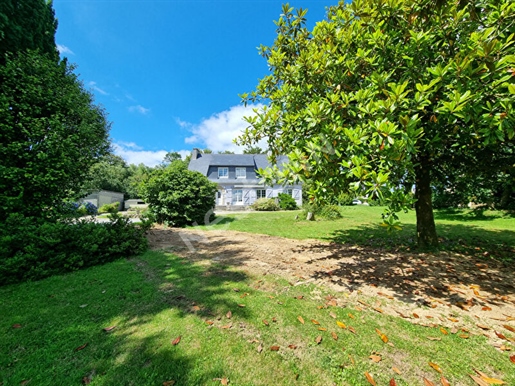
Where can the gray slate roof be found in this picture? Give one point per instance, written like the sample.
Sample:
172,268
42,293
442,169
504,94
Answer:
257,161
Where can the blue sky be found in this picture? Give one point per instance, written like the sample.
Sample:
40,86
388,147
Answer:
169,72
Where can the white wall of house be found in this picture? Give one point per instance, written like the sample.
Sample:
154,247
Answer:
244,196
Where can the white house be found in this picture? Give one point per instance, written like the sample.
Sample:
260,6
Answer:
237,178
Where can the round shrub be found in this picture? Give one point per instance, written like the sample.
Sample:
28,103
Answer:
109,208
178,197
286,202
265,204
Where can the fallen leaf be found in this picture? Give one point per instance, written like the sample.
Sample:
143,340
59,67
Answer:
226,327
274,319
228,315
464,336
299,297
396,370
340,324
402,315
332,315
209,322
169,383
482,326
81,347
195,308
454,320
427,382
265,322
392,382
375,358
435,366
333,334
17,325
315,321
260,348
487,379
351,316
176,341
236,289
509,328
443,331
26,381
378,310
292,346
478,380
274,348
512,359
240,305
322,329
351,329
383,337
300,319
500,335
416,316
444,381
486,308
224,381
108,329
318,339
433,338
370,379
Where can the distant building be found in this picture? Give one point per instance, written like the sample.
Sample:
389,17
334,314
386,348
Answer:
104,197
239,185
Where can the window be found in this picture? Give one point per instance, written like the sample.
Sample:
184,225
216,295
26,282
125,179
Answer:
223,172
289,192
238,195
241,173
261,193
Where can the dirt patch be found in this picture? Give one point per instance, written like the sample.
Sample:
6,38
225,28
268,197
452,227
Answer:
460,294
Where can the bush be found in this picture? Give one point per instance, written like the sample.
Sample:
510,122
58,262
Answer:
328,212
178,197
344,199
109,208
265,204
286,202
32,249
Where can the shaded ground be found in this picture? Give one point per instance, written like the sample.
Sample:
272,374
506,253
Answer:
459,293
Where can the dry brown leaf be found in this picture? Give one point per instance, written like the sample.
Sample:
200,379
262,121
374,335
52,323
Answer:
478,380
322,329
292,346
228,315
176,341
351,316
464,336
209,322
352,360
370,379
509,328
332,315
487,379
427,382
81,347
318,339
378,310
265,322
396,370
500,335
486,308
392,382
383,337
375,358
241,305
274,348
444,381
416,316
226,327
435,366
351,329
482,326
300,319
512,359
274,319
340,324
402,315
224,381
299,297
333,334
260,348
315,321
195,308
443,331
17,325
168,383
454,320
433,338
109,329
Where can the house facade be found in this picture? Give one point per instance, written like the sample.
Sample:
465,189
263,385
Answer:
239,185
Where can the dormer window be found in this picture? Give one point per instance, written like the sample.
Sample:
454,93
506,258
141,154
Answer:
241,173
223,172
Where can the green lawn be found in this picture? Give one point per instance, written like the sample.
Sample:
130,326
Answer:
488,234
52,332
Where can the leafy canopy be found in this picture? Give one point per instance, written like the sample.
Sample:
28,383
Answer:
389,94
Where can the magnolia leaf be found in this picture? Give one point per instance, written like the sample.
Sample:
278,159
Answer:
228,315
340,324
435,366
375,358
315,321
300,319
318,339
176,341
392,382
444,381
82,347
427,382
370,379
333,334
274,348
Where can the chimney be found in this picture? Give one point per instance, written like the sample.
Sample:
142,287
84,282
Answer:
195,153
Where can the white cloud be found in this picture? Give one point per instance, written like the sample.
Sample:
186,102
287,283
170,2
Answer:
139,109
94,86
134,154
64,50
218,131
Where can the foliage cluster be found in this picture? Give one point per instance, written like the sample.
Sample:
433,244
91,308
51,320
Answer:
109,208
32,248
178,197
327,212
286,202
265,205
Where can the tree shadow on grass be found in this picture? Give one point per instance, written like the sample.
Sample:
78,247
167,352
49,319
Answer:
464,215
149,301
370,256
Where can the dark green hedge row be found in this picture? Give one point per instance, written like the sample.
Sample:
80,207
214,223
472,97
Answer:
32,249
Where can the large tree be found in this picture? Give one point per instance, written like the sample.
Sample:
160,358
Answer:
385,95
51,132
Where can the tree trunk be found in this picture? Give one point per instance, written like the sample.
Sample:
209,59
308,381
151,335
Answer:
426,229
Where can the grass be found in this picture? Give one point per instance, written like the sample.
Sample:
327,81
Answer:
52,332
486,234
